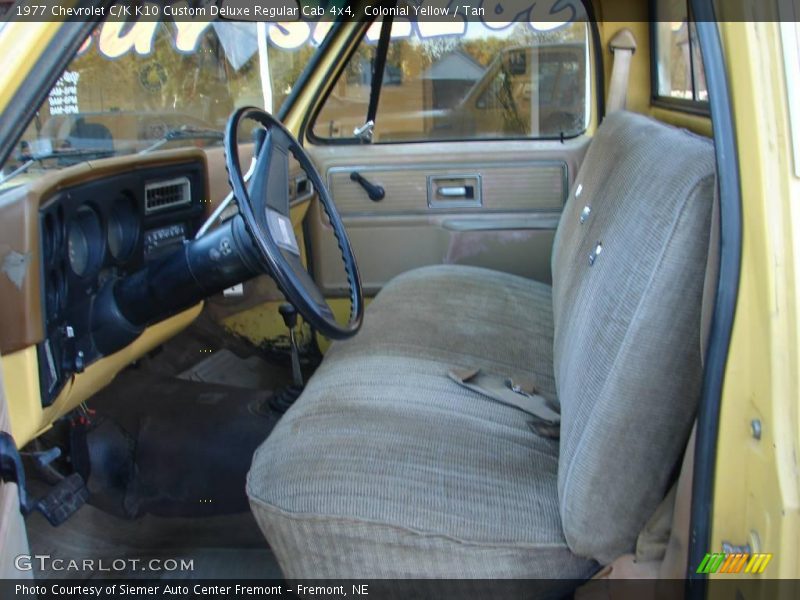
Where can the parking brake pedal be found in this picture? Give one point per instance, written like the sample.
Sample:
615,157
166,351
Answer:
64,499
57,506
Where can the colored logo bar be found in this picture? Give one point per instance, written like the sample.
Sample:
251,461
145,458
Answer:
724,563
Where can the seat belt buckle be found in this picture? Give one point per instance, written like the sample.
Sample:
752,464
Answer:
522,387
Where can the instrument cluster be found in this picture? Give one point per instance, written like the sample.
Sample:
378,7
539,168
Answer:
95,238
101,230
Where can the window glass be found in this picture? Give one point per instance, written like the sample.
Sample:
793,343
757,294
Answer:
679,64
486,80
145,86
790,34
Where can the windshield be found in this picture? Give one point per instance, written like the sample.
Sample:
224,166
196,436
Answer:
141,87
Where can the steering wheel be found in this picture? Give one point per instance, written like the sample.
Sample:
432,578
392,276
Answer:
264,206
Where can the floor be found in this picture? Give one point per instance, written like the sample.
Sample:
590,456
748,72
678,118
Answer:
165,456
221,547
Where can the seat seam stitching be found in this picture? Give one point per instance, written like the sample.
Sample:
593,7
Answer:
358,521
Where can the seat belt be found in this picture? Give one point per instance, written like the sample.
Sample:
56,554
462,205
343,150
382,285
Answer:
622,46
518,393
366,131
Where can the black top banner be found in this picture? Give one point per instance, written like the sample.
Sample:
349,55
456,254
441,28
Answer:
543,11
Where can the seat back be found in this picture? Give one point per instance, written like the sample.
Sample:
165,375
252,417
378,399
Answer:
628,278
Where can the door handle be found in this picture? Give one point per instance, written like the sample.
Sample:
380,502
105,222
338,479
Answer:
463,191
454,191
375,192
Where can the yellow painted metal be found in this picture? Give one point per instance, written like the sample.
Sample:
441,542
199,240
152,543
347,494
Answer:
594,62
259,323
263,322
696,123
21,375
757,485
320,81
20,370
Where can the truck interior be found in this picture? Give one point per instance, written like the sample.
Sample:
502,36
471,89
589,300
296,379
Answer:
438,300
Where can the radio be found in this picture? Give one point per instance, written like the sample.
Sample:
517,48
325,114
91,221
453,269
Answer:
162,240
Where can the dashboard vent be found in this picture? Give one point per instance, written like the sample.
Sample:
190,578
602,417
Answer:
163,195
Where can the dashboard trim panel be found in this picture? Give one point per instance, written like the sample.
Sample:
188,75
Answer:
21,312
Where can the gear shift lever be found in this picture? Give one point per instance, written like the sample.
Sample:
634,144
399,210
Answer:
282,399
289,314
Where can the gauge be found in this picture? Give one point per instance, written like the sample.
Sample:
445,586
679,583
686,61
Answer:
52,236
56,292
84,242
123,228
49,238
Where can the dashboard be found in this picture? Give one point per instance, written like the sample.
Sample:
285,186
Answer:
100,231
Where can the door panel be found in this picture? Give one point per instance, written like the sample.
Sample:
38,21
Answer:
505,219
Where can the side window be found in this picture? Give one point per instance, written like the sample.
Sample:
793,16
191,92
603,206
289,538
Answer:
487,81
678,76
790,34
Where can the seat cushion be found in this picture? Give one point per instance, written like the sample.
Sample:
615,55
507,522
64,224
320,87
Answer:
387,468
465,316
371,475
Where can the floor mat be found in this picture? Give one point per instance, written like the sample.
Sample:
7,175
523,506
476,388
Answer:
194,344
171,447
165,454
224,367
183,354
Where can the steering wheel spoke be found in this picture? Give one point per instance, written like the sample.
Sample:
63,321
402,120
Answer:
269,186
264,206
